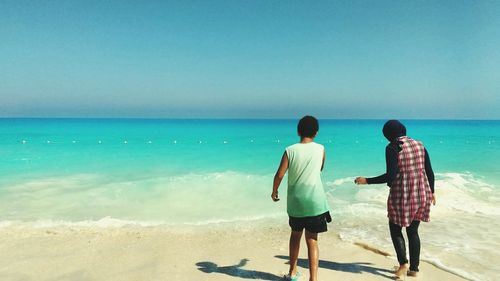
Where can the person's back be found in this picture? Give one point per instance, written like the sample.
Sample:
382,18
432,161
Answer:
410,195
306,201
410,177
305,195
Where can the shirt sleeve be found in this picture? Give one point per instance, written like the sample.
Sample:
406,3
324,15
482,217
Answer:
392,169
429,171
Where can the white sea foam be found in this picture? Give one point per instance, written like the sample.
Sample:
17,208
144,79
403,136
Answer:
461,237
340,181
465,193
106,222
190,198
467,275
109,222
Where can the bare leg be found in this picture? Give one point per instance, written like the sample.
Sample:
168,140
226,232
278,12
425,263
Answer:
294,251
312,254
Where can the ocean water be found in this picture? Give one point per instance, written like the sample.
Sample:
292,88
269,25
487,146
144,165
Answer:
111,172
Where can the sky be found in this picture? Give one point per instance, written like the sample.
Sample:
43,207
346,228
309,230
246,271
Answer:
250,59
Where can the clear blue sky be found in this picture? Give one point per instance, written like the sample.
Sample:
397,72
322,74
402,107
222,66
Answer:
250,59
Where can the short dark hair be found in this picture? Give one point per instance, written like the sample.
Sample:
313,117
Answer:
308,127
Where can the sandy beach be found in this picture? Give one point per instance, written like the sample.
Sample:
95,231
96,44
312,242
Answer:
209,252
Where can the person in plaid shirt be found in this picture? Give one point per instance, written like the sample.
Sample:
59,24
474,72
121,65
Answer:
411,180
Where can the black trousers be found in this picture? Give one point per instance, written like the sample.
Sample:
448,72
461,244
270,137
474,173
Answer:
399,244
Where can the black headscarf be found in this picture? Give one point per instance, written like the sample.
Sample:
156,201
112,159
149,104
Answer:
393,129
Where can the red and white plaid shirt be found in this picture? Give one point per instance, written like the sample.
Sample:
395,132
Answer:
410,197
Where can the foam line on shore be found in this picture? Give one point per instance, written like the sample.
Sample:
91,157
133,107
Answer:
435,262
109,222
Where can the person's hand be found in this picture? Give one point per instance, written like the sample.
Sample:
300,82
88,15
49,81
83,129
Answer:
274,196
433,199
360,180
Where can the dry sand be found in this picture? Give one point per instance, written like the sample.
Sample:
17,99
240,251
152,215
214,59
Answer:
210,252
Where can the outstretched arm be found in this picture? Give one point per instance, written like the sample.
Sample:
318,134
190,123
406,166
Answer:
279,176
392,169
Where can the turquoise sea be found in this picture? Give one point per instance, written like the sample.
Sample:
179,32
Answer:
112,172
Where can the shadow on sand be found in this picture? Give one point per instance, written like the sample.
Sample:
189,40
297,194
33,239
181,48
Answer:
236,270
355,267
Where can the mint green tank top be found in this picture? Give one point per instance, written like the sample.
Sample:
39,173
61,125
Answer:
305,195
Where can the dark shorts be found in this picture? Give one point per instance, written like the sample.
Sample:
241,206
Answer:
315,224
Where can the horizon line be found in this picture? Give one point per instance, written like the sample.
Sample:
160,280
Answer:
250,118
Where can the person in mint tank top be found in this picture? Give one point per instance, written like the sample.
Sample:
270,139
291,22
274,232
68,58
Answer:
411,180
307,206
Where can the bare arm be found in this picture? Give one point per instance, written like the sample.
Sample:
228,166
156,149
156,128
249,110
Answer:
323,163
279,176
